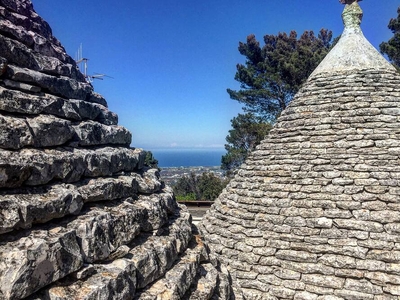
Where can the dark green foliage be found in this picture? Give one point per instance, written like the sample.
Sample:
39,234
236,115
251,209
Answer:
206,186
150,161
187,185
273,74
248,130
210,186
269,79
392,47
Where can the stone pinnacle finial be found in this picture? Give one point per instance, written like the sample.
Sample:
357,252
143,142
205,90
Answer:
349,1
353,51
352,14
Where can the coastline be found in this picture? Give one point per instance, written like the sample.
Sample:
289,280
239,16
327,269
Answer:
188,158
170,175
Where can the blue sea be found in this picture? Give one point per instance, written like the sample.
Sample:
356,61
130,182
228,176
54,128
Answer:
188,157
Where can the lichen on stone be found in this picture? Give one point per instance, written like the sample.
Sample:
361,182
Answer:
352,15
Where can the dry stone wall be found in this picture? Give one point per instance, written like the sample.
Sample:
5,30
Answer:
81,216
314,213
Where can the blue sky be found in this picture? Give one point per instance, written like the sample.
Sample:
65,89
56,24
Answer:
172,61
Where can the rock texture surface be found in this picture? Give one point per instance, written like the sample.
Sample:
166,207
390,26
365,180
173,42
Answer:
81,216
314,213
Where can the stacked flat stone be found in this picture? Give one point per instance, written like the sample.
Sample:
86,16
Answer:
81,216
314,213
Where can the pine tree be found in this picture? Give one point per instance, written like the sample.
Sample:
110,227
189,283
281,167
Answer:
273,74
248,130
392,47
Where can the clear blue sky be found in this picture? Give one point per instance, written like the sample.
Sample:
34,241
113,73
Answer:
172,60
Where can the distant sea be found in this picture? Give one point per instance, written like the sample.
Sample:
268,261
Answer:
188,157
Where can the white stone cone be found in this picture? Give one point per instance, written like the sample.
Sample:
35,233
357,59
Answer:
353,51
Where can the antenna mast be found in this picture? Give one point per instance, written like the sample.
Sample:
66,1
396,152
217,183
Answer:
79,59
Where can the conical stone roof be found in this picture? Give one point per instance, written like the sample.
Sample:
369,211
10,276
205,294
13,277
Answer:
314,213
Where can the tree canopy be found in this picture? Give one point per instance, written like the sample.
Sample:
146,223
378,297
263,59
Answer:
150,160
273,74
206,186
269,78
247,131
392,47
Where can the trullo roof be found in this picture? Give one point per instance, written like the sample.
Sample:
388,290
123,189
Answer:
314,213
81,215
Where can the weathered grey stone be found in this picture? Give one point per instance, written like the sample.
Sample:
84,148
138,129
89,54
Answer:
97,98
32,262
86,271
21,86
36,167
380,278
371,265
346,294
359,225
105,228
363,286
110,188
22,208
20,55
305,296
115,280
14,101
312,214
14,133
29,28
323,281
3,65
92,133
177,280
205,284
61,86
49,131
149,181
95,111
338,261
299,256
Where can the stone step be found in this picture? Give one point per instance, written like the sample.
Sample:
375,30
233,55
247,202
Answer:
50,131
115,280
22,208
37,167
177,281
61,86
32,259
205,283
14,101
22,56
91,133
146,259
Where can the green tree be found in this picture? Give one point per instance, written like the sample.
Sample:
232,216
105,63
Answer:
187,185
150,161
392,47
269,78
273,74
206,186
248,130
210,186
